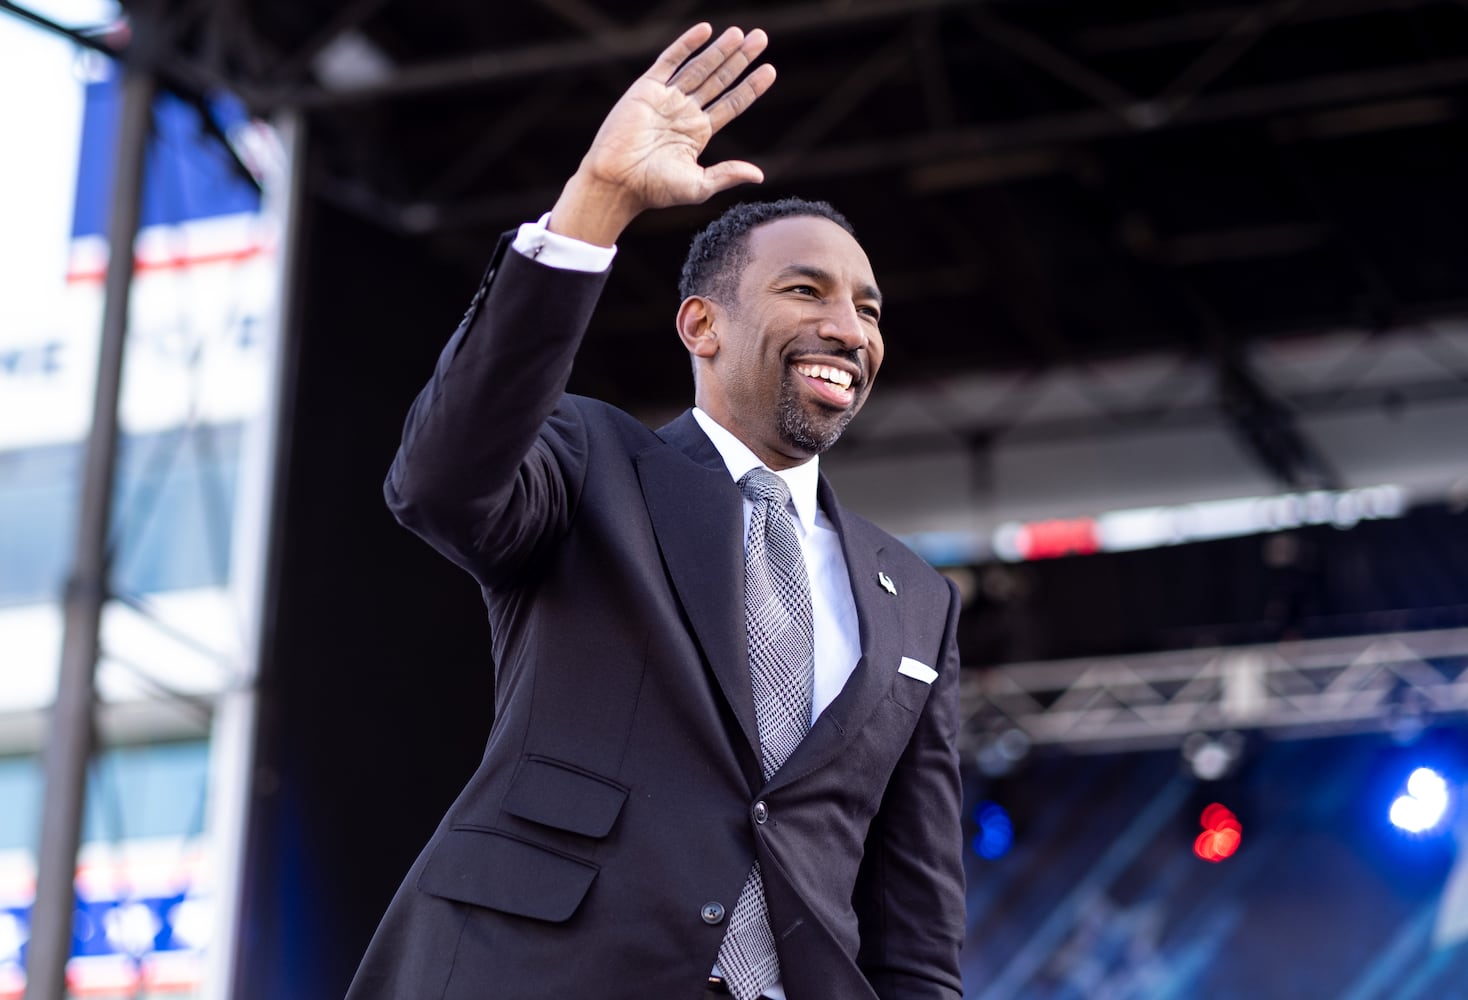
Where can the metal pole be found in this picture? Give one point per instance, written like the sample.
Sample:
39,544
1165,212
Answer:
262,459
69,742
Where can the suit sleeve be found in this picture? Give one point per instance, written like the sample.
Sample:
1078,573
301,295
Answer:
909,895
489,469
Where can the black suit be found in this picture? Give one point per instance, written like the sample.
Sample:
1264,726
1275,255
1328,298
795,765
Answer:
608,828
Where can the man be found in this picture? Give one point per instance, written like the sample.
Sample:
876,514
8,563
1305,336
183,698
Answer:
723,757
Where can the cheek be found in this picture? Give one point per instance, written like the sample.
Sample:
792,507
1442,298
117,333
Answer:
749,381
875,352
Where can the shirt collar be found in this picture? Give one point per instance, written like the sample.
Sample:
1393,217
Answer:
739,459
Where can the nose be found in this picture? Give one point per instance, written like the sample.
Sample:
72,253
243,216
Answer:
842,324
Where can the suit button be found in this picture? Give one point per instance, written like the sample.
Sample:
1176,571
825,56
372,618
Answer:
712,913
761,812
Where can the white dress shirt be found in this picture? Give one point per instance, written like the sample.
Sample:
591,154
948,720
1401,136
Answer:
554,250
833,608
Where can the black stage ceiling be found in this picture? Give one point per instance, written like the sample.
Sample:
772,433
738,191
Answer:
1038,183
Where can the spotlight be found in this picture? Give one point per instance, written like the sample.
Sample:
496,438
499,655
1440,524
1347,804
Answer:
1212,757
996,831
1424,804
1001,751
1221,836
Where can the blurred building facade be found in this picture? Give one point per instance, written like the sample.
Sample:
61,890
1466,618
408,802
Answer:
153,883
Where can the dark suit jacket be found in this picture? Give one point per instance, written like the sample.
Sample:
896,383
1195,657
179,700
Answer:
606,834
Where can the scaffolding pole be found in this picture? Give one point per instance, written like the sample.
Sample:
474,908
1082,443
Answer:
69,742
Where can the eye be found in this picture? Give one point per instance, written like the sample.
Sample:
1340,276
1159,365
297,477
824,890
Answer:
803,290
871,312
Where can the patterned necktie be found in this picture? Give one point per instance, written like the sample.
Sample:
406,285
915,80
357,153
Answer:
777,612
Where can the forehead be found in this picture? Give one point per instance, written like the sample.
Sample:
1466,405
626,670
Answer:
806,241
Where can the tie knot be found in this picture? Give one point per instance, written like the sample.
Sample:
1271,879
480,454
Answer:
764,485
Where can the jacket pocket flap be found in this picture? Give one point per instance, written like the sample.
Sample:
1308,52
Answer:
557,795
489,869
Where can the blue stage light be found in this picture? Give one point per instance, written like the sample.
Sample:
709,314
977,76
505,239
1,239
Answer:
1424,804
996,831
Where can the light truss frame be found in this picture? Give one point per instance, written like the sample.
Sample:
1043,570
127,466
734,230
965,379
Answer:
1311,688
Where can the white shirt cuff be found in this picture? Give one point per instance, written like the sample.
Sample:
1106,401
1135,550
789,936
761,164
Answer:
554,250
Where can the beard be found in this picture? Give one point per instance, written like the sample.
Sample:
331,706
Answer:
811,429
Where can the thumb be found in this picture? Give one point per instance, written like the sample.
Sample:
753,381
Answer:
730,173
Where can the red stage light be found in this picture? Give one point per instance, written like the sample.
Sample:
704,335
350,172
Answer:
1053,539
1221,836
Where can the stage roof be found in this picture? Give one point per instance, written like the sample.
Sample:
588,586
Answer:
1039,184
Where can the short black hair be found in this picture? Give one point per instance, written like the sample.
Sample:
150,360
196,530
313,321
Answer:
719,252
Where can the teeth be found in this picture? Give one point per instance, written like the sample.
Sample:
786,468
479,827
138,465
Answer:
835,376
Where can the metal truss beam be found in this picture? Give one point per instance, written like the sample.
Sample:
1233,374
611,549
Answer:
1320,687
81,38
978,145
644,40
1268,429
347,18
614,43
869,444
1181,395
1204,25
1089,125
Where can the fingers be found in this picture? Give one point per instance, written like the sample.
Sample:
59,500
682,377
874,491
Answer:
737,101
677,54
722,75
698,69
706,75
694,74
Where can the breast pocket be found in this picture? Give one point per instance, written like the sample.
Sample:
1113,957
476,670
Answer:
564,797
913,682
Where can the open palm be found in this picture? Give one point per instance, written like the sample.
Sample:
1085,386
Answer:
645,155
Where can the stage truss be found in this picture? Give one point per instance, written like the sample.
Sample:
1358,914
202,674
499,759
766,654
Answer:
1399,682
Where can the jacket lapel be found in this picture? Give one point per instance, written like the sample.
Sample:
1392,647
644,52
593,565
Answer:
696,514
879,618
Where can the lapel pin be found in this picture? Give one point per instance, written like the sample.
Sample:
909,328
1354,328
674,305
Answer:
886,582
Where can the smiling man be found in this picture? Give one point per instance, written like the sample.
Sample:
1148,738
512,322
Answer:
722,760
781,314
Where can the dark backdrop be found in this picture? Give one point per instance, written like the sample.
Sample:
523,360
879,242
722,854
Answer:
376,692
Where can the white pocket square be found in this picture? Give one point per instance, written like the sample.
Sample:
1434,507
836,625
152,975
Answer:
918,669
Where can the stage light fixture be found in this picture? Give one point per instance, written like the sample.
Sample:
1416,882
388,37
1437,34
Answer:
1000,751
1212,757
996,831
1423,805
1222,833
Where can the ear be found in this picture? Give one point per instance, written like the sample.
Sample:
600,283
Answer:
696,326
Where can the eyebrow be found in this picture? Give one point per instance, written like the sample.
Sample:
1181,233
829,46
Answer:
825,277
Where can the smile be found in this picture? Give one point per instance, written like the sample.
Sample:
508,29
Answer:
832,385
835,376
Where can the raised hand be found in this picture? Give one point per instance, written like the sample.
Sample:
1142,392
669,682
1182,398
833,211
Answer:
645,155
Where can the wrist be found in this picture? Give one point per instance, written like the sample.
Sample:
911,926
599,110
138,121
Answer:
592,211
